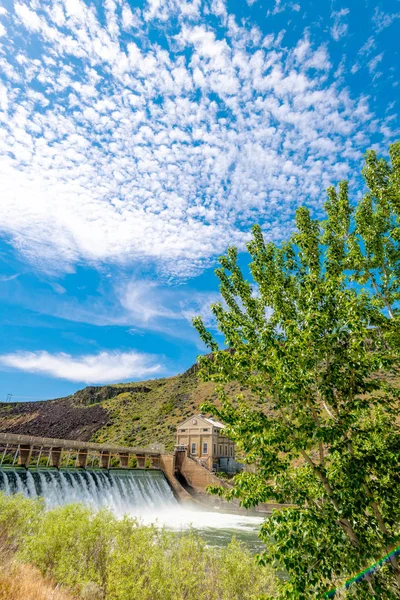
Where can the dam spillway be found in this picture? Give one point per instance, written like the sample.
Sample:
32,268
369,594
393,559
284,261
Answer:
123,492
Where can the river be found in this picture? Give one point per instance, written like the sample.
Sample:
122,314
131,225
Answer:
143,494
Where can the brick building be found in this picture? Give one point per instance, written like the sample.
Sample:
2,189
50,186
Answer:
205,441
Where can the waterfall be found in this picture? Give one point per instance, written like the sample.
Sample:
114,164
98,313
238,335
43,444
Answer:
123,492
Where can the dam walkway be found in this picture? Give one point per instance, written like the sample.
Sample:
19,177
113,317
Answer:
30,451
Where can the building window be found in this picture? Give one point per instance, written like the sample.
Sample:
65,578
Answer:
182,430
226,450
194,448
215,449
205,429
220,450
205,448
231,450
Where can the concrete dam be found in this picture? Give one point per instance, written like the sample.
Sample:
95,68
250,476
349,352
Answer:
79,459
100,475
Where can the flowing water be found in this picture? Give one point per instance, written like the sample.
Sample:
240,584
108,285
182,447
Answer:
142,494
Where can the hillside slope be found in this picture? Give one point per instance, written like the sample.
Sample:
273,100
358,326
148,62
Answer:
134,414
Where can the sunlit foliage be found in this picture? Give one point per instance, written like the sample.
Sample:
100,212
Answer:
315,334
99,557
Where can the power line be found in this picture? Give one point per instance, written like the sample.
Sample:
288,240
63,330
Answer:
30,397
16,398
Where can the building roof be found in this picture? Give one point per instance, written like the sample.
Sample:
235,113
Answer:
213,422
203,418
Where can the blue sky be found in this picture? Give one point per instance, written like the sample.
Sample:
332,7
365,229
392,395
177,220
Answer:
139,139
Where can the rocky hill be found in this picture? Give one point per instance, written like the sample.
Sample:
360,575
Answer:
139,413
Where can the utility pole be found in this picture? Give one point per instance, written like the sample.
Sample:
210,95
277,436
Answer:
8,398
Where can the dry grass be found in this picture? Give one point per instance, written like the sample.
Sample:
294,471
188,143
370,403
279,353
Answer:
24,582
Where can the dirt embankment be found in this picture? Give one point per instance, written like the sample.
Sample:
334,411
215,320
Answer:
62,418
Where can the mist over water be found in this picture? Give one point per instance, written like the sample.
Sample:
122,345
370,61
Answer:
145,495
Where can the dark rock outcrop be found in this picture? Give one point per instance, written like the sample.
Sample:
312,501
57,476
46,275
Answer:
93,394
61,418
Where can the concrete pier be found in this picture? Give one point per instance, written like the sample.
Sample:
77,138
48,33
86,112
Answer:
82,458
124,460
55,457
105,458
24,456
141,461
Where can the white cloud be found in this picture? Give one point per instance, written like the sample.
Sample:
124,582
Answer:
383,19
364,57
140,305
9,277
90,368
369,45
340,27
199,304
28,17
59,289
280,6
373,64
130,19
167,310
145,301
116,150
218,7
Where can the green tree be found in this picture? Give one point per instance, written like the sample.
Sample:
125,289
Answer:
369,245
375,249
315,347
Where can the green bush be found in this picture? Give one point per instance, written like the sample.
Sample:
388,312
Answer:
132,462
223,475
96,555
72,545
115,462
19,518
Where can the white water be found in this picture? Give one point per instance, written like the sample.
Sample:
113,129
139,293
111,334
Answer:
121,493
142,494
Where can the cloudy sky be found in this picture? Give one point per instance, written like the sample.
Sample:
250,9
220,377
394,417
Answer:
140,138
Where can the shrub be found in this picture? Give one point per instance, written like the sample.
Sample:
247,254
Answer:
19,518
132,462
73,545
100,557
92,591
